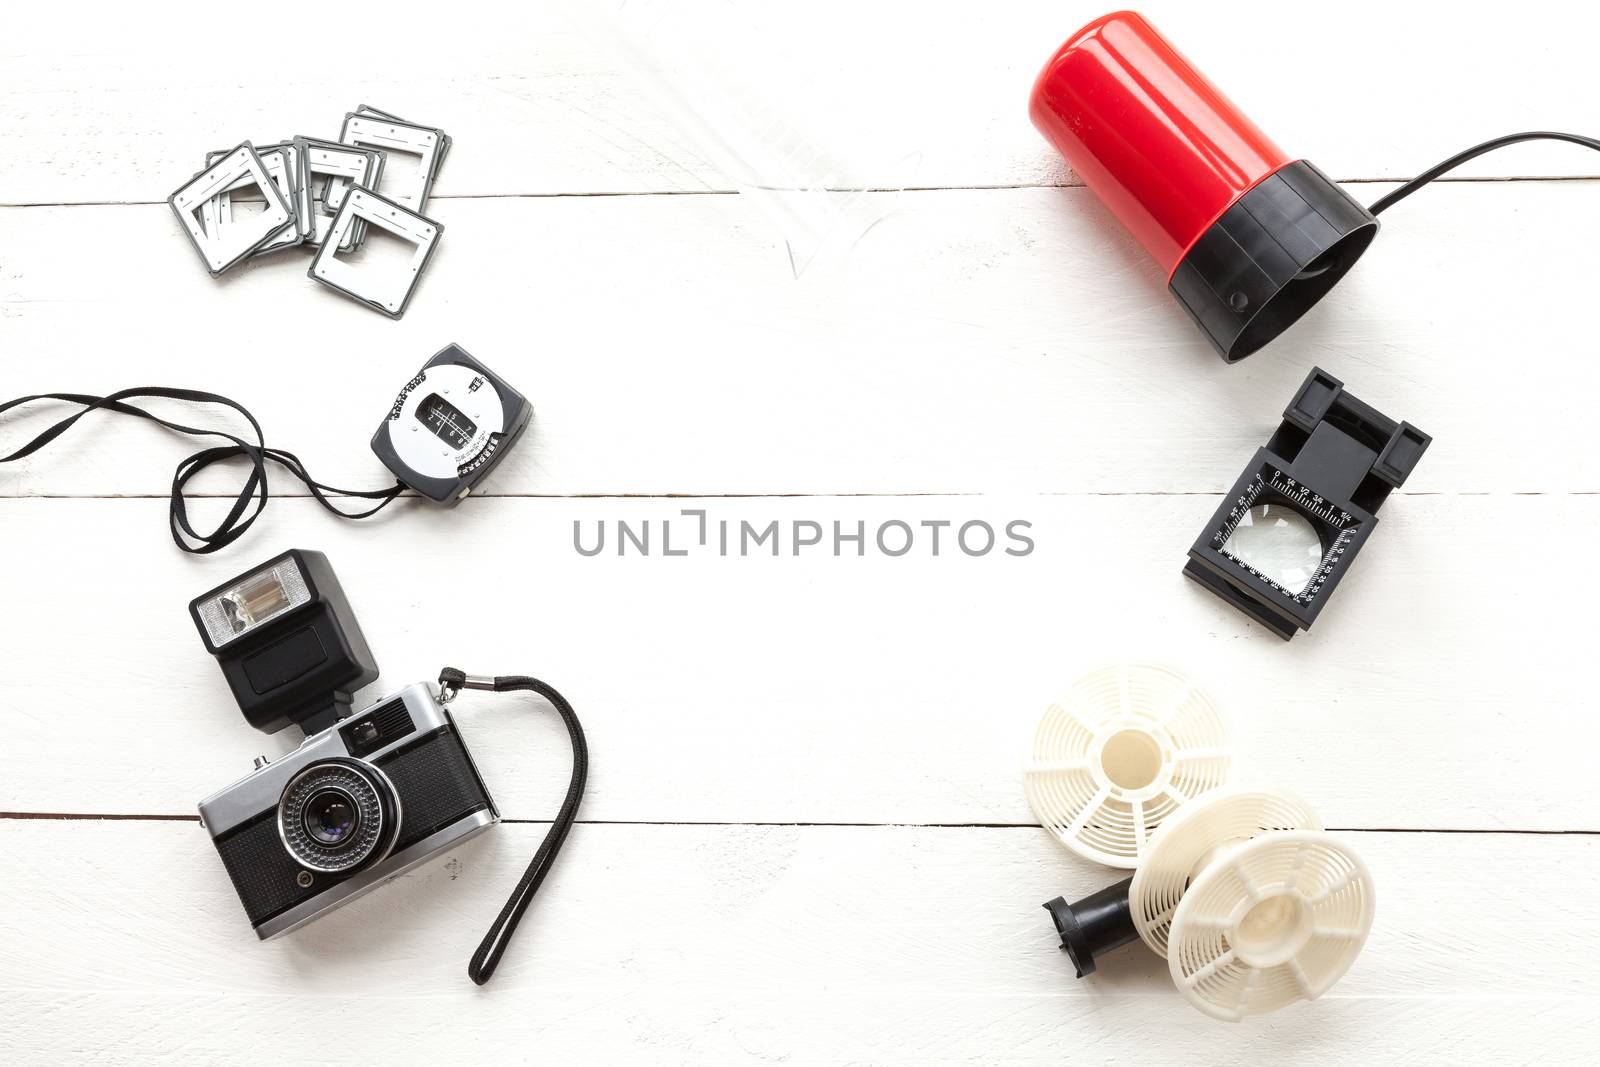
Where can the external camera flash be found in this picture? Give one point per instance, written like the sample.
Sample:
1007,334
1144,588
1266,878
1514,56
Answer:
287,642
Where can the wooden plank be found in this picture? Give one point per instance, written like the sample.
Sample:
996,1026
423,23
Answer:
1441,688
124,944
110,111
976,342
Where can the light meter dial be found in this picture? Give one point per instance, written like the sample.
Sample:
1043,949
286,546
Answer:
450,425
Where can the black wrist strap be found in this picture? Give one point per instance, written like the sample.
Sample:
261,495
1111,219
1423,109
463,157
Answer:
493,946
242,514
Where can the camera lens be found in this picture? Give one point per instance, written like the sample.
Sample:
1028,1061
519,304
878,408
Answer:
338,815
331,818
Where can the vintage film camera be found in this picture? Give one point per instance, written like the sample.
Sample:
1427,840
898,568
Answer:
365,797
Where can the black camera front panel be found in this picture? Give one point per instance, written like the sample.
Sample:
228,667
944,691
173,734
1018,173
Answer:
425,762
436,786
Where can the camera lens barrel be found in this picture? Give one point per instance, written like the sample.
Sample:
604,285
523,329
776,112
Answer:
338,816
332,818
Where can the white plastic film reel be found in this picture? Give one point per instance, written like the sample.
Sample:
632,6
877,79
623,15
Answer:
1118,754
1253,904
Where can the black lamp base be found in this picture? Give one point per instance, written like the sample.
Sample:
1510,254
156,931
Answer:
1273,254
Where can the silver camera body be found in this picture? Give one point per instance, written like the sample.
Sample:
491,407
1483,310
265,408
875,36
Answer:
357,804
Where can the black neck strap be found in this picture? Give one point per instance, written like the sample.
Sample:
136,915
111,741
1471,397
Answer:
242,514
493,946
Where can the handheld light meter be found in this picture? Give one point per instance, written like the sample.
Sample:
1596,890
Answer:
450,426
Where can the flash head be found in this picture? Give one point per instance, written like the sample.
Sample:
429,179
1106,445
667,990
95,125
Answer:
287,642
1292,524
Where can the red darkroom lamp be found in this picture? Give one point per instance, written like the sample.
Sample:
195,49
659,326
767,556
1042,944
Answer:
1250,237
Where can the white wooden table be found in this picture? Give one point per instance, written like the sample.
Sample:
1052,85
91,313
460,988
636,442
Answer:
805,838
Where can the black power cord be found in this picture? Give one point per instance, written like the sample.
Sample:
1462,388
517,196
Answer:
493,946
1474,152
241,515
